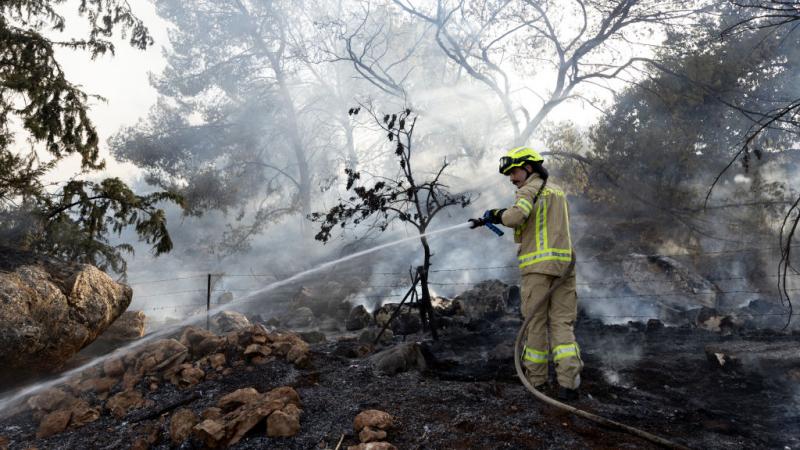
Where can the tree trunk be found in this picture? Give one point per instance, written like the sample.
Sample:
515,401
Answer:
426,307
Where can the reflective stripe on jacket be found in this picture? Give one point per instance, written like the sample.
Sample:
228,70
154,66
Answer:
541,229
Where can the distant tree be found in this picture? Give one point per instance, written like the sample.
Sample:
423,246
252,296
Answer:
387,200
779,116
578,43
41,107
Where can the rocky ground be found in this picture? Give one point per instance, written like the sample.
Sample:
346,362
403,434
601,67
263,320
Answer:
258,386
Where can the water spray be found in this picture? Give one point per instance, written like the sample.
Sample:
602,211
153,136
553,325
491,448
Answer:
10,400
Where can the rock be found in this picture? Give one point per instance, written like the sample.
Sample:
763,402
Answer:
369,434
190,376
253,350
285,394
50,309
217,360
201,342
147,436
162,355
368,336
298,355
400,358
82,414
488,300
406,322
53,423
654,325
51,400
283,424
227,321
113,367
99,385
211,413
301,317
238,398
211,432
373,418
358,318
313,337
124,402
350,348
128,327
181,424
651,275
446,307
372,446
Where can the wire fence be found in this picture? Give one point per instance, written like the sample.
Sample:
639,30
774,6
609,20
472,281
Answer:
594,290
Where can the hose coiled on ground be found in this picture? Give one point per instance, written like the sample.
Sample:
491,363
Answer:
571,409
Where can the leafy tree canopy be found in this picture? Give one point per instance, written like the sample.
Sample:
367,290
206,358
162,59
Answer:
44,118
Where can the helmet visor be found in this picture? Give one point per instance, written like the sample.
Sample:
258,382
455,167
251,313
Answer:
505,164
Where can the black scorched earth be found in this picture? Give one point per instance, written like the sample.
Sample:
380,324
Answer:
258,385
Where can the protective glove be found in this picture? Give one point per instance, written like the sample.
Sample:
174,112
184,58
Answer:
495,215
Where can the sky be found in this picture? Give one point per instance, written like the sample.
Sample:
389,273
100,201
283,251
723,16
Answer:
122,79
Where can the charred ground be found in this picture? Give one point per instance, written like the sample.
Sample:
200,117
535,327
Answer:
463,393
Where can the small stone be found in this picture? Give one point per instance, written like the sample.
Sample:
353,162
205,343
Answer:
217,360
53,423
373,446
253,350
210,431
113,367
181,424
298,355
211,413
191,376
238,398
368,434
281,424
285,394
313,337
373,418
358,318
654,325
122,403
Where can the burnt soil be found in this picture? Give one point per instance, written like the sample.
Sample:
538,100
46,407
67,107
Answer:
469,398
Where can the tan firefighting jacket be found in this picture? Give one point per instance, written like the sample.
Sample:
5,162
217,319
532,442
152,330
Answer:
541,229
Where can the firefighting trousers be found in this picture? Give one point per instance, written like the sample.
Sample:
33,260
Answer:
554,317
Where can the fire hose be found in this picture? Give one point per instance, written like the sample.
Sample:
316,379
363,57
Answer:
518,344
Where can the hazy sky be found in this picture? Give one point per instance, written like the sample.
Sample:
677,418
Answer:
122,79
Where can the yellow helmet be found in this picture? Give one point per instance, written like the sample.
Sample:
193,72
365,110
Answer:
517,157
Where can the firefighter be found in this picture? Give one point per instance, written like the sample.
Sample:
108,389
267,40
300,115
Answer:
540,219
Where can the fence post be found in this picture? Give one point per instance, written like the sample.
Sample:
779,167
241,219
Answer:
208,303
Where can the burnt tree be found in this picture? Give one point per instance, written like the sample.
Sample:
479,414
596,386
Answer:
383,201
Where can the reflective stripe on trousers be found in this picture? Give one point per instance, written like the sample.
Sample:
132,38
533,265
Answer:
566,350
535,356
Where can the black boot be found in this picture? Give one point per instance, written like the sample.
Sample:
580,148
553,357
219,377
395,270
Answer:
567,394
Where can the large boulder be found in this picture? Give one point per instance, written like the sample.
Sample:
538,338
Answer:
487,300
128,327
51,309
358,318
407,320
227,321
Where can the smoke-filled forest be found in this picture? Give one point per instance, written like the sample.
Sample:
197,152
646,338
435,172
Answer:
268,224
